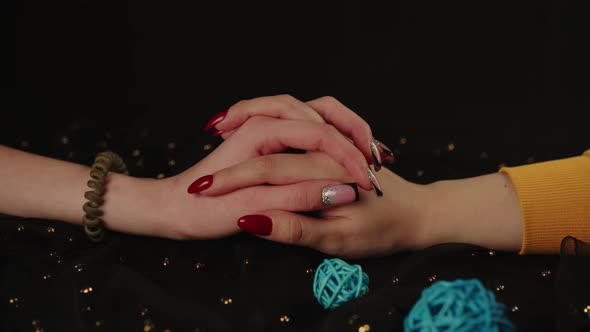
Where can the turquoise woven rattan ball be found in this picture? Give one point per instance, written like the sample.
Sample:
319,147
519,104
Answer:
458,306
337,282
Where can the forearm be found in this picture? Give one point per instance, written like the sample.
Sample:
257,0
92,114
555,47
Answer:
39,187
481,211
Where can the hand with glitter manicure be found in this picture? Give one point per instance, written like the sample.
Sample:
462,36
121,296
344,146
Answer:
322,110
345,222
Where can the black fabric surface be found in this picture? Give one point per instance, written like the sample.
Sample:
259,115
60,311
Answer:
455,89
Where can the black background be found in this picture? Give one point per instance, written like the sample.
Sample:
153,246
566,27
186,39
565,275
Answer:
510,75
456,89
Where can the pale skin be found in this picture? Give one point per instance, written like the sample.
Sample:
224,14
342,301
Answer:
481,211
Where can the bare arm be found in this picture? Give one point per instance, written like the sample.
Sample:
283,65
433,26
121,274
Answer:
41,187
483,211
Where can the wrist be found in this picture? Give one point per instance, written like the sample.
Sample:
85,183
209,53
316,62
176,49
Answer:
482,211
438,214
178,212
409,209
427,232
132,205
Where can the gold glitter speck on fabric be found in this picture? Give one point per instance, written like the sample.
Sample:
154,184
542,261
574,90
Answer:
365,328
87,290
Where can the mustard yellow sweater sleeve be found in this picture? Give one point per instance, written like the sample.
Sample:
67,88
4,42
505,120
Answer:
554,201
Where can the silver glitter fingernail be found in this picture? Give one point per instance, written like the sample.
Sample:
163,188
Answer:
374,182
340,194
376,155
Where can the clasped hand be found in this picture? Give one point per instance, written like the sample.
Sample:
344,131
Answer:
249,183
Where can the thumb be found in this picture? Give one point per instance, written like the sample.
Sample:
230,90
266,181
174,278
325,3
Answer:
288,227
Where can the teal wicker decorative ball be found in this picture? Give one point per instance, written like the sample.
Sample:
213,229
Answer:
337,282
458,306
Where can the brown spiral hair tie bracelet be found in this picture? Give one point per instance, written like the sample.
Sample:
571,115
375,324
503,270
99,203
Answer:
104,163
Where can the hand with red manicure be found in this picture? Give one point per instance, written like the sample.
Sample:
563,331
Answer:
258,135
258,144
322,110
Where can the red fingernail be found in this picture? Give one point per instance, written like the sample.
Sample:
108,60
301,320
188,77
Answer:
386,158
215,120
256,224
217,133
200,184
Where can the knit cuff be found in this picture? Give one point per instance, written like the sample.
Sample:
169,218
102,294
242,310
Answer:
555,202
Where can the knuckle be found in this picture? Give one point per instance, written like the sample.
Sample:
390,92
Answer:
295,232
330,131
325,134
264,166
286,98
253,122
225,176
302,199
236,107
289,103
364,127
329,100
